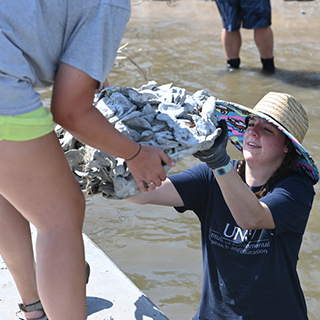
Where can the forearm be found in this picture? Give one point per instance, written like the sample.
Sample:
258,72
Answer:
245,207
93,129
166,195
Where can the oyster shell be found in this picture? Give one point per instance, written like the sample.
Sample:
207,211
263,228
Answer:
165,117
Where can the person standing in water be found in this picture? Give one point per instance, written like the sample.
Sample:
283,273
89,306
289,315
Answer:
253,212
249,14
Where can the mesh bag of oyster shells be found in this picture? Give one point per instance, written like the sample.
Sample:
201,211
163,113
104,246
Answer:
165,117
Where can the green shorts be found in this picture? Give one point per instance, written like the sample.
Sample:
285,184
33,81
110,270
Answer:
27,126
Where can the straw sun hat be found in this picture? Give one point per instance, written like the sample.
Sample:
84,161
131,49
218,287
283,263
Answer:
280,109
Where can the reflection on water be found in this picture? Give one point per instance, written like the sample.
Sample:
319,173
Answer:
156,247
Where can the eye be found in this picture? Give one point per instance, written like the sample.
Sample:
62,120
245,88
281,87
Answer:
268,130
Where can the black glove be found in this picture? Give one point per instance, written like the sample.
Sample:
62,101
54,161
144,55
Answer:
217,155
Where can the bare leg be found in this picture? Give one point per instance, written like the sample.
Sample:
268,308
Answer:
15,240
263,38
231,42
37,181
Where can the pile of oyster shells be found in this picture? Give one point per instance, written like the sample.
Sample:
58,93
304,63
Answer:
165,117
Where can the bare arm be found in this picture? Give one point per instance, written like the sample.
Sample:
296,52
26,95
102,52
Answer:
71,106
247,210
166,195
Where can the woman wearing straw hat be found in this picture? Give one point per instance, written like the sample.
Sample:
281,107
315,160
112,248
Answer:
253,212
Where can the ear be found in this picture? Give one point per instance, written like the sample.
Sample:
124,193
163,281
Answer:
286,149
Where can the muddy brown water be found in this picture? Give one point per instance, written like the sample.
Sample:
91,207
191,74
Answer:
156,247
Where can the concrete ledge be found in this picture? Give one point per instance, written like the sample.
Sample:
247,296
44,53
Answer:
110,293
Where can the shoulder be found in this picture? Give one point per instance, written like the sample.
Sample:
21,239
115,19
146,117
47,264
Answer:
296,182
294,187
194,185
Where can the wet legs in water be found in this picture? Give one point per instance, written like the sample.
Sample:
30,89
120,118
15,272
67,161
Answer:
263,38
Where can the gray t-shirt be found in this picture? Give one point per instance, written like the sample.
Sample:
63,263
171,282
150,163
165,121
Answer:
35,36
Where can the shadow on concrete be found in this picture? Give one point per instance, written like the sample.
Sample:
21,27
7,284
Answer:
144,307
95,304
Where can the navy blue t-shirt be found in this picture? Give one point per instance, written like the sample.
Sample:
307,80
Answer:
248,275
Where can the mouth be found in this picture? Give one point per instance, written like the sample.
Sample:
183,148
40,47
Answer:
251,144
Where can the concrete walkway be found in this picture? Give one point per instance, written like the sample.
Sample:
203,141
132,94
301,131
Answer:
110,294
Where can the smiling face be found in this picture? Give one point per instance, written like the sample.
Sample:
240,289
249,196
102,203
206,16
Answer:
264,145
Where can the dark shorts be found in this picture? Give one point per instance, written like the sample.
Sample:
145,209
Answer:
248,14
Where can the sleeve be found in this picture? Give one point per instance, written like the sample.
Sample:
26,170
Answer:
290,203
93,44
193,186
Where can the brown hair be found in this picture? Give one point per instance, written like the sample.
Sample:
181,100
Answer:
277,175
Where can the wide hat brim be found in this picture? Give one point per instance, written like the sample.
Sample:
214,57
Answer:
235,116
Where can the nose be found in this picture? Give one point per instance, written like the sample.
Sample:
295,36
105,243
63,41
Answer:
254,131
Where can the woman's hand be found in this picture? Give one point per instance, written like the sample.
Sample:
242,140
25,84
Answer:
217,156
147,169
